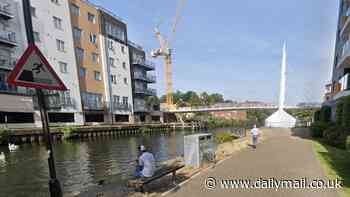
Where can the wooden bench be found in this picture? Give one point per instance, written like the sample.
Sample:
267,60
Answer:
139,184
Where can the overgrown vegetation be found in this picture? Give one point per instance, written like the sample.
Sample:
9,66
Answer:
4,135
334,134
69,132
223,137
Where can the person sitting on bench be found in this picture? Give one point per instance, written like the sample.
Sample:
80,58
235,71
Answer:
145,164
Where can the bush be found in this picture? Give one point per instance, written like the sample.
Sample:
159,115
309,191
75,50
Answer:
339,112
348,143
69,132
336,136
325,114
317,115
317,129
4,135
224,137
346,112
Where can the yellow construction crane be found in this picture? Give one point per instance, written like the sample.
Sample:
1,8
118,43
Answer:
165,51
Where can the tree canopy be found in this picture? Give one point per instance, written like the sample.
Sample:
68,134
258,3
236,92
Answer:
191,98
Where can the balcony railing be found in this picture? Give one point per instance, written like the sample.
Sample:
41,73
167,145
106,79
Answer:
93,105
147,77
8,38
7,62
141,108
147,64
146,91
9,89
344,81
5,11
121,106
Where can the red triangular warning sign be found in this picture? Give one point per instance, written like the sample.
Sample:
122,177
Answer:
34,71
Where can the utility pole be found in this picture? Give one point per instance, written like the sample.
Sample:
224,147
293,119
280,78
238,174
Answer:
54,184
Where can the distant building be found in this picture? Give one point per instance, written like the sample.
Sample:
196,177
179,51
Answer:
141,78
231,115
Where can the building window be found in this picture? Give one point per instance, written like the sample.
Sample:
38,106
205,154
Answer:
122,49
115,31
55,1
91,17
94,58
111,62
110,45
77,32
63,67
125,100
60,45
33,11
80,54
114,79
116,99
75,10
124,65
36,36
57,22
82,72
93,38
97,76
125,80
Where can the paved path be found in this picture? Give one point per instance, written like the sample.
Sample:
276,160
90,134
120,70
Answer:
282,156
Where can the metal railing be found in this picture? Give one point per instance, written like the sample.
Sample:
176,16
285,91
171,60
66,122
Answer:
121,106
145,77
93,105
147,91
7,62
148,64
131,43
344,81
8,37
5,11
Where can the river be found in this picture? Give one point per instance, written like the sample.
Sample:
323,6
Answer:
80,164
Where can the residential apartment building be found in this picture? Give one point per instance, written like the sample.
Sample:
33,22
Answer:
53,35
88,48
116,63
141,78
340,85
86,29
16,104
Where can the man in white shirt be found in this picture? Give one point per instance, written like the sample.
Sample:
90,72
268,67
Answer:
147,161
255,134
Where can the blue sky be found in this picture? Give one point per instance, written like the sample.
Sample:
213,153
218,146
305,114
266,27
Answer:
234,47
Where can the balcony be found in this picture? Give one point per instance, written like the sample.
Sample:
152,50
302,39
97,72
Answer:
9,89
343,89
147,78
8,38
146,91
148,65
99,106
5,12
121,106
7,63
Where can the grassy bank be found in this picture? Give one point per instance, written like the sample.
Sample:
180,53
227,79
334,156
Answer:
336,163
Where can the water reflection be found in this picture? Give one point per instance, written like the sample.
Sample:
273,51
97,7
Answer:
81,164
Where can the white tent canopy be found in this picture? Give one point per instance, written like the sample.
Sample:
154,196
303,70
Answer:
280,119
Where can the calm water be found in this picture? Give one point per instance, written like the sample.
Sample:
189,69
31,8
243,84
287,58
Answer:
80,164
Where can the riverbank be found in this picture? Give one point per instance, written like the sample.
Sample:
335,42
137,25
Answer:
164,186
32,135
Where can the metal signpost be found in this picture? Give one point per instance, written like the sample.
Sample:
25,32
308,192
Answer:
34,71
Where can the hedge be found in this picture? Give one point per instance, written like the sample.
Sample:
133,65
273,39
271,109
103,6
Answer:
317,115
325,114
317,129
336,136
346,112
339,112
